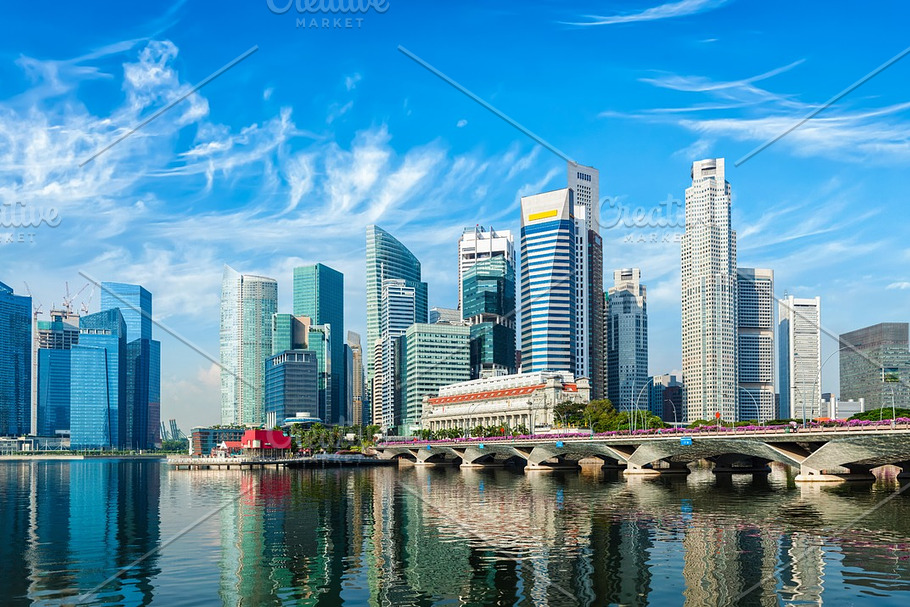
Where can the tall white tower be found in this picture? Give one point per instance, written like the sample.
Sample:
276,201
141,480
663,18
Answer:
589,285
800,357
709,319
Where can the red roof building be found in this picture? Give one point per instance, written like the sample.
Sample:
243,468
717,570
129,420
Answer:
266,443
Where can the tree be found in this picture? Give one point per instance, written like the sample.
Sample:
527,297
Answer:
569,413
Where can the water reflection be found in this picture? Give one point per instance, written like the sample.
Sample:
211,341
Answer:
433,536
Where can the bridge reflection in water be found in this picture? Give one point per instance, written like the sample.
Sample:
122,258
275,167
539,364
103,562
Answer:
832,454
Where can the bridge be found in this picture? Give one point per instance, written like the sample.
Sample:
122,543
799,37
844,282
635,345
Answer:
820,454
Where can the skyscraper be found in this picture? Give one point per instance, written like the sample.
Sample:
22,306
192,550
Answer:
290,385
357,380
320,342
50,409
489,307
15,362
388,258
290,332
319,294
433,356
98,388
627,341
589,328
799,322
548,293
398,306
755,343
875,365
143,362
477,244
247,305
709,297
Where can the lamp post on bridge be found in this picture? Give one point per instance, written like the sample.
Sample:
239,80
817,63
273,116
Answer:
633,425
754,402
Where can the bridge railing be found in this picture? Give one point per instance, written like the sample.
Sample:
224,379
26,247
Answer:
901,423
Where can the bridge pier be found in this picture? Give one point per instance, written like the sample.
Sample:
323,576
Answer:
854,473
660,469
741,465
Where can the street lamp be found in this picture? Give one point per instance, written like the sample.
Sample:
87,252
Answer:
754,402
637,398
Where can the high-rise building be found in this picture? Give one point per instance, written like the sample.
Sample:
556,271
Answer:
53,340
627,340
319,294
446,315
290,332
15,362
755,336
589,328
489,307
320,343
143,363
290,386
247,305
709,297
357,379
434,356
98,388
548,294
477,244
799,344
388,259
875,366
398,311
665,399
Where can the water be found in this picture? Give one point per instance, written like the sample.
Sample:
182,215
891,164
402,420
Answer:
414,536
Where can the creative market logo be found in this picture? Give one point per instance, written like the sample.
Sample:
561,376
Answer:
22,218
315,14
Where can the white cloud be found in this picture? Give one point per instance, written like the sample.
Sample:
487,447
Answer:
664,11
461,123
350,82
267,93
902,285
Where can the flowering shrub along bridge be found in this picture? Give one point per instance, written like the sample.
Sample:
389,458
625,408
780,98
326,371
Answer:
833,452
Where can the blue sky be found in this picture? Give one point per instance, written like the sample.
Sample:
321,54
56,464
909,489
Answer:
285,158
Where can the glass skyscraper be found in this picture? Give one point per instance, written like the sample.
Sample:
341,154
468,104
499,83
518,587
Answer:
755,343
627,341
388,259
15,362
143,363
548,293
290,385
248,304
875,365
320,344
98,388
289,332
319,294
489,306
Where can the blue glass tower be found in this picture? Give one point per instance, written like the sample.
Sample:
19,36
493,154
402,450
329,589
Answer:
54,339
98,411
15,362
488,295
143,363
319,294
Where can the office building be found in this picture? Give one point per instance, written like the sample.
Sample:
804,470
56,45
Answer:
799,336
53,340
835,408
665,398
548,294
319,342
708,261
444,315
15,362
319,294
434,355
98,388
875,366
290,385
203,439
755,337
477,244
525,401
248,303
397,310
143,363
489,307
357,379
388,259
290,332
589,285
627,341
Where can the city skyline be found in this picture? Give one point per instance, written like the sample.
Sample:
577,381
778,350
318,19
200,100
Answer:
801,206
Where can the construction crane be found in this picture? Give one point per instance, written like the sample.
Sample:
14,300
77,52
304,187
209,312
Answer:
85,304
68,299
36,309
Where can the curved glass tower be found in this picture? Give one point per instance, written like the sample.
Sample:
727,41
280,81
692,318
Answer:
388,259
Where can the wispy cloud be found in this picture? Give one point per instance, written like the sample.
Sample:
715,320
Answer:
901,286
669,10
